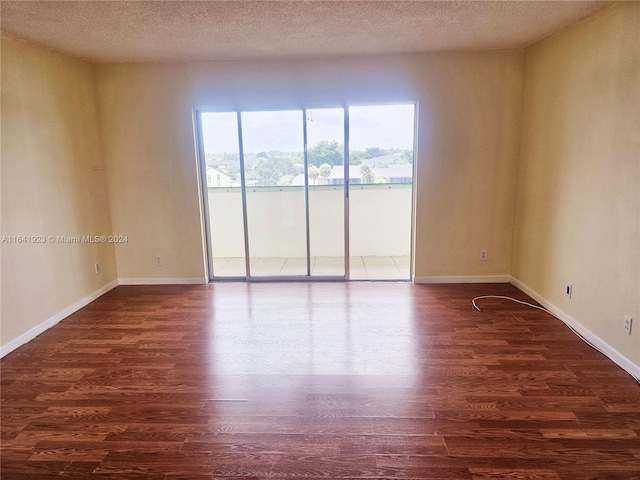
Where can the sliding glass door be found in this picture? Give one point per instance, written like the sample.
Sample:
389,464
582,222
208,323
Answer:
308,194
221,173
381,193
273,146
326,200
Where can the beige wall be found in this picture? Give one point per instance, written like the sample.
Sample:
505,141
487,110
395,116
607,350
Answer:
470,110
578,205
50,144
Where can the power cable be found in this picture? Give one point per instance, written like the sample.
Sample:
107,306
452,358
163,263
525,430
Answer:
473,302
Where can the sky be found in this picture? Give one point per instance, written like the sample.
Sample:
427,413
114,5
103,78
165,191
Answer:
385,126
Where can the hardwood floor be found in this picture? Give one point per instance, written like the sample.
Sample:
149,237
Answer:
359,380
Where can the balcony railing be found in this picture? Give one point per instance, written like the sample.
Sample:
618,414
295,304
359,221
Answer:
379,228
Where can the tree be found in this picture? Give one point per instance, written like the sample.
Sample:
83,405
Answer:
325,171
284,181
373,152
313,173
366,174
266,174
270,170
326,152
407,156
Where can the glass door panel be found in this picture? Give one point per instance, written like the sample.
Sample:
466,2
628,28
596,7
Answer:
325,155
276,217
223,193
381,191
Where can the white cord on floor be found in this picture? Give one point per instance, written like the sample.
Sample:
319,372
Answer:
473,302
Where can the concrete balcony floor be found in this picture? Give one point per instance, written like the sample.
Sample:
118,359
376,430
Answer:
362,267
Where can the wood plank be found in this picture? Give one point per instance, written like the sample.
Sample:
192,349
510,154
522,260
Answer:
327,380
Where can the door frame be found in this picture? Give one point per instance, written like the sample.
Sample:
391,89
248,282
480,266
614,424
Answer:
201,162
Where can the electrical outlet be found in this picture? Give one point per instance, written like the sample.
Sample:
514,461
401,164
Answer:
626,324
483,255
97,268
568,290
158,261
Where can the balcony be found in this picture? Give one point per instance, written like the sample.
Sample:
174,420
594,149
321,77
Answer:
379,231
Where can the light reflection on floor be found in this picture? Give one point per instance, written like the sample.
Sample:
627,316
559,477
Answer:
313,329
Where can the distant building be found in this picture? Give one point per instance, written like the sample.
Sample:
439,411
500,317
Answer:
394,173
389,159
217,178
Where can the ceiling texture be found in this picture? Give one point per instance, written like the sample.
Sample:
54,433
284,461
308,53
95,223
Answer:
156,31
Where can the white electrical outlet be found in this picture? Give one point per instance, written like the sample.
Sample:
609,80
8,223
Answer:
568,290
483,255
158,261
626,324
97,268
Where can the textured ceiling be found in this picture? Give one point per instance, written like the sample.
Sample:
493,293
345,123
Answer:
140,31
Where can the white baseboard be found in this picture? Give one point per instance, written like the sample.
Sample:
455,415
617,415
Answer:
54,319
61,315
162,281
464,279
604,347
